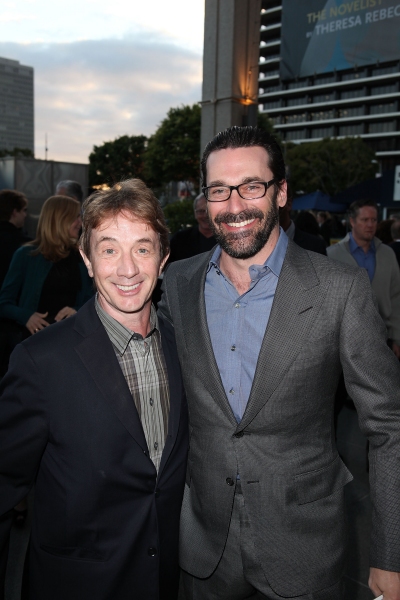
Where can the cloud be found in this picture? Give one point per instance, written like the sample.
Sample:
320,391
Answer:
88,92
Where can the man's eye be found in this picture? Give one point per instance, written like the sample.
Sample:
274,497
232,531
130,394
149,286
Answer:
109,251
252,187
218,191
143,250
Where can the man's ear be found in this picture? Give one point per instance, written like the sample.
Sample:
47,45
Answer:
87,263
162,265
282,194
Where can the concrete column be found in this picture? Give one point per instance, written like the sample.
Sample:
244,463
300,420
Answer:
230,65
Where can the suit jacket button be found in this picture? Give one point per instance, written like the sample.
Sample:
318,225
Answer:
152,551
239,434
230,481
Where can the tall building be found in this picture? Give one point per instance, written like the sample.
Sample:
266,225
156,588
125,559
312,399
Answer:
332,69
16,105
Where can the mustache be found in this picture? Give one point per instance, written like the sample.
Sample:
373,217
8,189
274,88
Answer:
248,213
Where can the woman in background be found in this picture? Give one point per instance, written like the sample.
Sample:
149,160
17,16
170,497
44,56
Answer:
47,280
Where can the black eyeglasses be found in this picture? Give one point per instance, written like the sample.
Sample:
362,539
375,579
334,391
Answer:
248,191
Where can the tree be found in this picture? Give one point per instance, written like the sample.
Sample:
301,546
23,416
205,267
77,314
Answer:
17,152
330,165
264,122
122,158
173,151
179,214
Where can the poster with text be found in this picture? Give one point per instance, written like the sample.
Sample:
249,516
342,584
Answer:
319,36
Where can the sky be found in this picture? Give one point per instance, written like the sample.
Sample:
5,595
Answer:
104,68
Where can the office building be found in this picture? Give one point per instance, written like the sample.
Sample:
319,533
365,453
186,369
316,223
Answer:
332,69
16,105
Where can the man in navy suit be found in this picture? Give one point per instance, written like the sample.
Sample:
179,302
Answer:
93,410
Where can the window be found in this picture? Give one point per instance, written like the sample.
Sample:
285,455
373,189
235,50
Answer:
324,97
385,70
353,75
322,115
296,118
297,101
357,93
377,109
322,132
351,112
296,134
273,104
382,127
351,129
296,84
384,89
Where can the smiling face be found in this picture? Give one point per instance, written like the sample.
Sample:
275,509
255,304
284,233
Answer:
244,228
125,262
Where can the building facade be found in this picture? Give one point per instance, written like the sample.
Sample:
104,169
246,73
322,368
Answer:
359,101
16,105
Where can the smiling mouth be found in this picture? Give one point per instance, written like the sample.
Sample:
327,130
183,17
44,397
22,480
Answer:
127,288
242,223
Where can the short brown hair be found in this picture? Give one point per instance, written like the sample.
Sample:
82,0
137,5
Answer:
11,200
131,196
52,236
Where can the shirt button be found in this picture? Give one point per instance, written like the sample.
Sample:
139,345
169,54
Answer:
231,391
233,348
237,305
239,434
151,401
152,551
230,481
155,445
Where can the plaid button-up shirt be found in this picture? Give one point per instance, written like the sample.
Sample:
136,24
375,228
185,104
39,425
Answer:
143,366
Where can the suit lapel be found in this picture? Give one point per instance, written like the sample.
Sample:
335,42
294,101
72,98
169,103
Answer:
176,392
298,298
98,356
197,337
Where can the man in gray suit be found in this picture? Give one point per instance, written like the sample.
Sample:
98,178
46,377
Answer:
264,329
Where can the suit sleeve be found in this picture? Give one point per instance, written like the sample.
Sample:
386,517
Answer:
11,289
372,377
23,437
393,324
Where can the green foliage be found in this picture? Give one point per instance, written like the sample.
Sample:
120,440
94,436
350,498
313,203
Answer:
173,151
263,122
18,152
179,215
122,158
330,165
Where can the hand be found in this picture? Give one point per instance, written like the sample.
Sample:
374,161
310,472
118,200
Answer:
396,349
66,312
36,322
384,582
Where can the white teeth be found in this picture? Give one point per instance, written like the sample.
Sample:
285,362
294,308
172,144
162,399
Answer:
241,224
127,288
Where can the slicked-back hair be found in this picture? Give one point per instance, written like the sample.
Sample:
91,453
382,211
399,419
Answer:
247,137
355,207
11,200
132,198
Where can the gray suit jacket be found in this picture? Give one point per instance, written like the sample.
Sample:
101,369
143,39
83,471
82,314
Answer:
323,320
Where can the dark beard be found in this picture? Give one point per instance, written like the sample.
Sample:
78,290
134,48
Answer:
246,244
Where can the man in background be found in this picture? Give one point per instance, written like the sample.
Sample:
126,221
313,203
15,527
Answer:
70,188
301,238
361,247
193,240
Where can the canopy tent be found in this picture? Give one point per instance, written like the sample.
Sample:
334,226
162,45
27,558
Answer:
317,201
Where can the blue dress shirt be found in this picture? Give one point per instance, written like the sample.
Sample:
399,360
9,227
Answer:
237,324
366,260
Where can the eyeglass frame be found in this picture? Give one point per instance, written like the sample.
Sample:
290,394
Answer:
267,184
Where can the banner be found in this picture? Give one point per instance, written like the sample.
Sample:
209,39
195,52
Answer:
319,36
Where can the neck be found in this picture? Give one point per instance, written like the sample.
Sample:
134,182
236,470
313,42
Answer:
139,322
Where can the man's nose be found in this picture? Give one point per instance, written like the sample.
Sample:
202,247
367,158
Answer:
236,203
127,265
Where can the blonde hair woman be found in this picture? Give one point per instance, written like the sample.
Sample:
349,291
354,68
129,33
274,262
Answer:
47,280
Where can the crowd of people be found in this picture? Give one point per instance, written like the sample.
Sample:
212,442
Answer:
190,451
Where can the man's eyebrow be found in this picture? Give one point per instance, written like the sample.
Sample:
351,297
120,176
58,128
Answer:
106,238
244,180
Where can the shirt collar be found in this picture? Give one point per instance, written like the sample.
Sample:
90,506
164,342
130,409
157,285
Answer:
120,335
273,263
354,246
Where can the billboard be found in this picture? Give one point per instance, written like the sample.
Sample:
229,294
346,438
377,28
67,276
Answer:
319,36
